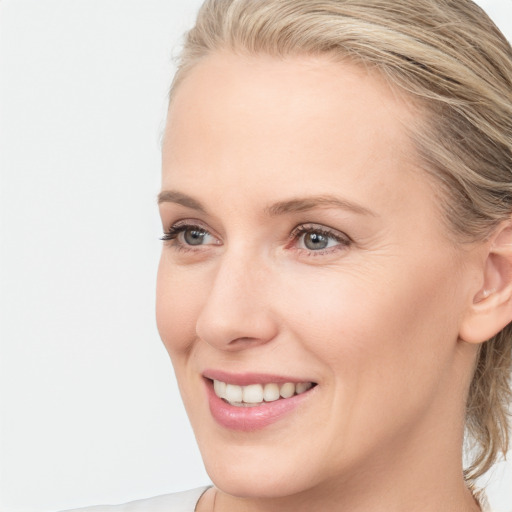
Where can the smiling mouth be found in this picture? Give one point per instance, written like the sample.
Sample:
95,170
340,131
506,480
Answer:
254,395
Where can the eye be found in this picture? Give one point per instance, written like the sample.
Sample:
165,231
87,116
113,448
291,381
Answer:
319,239
315,241
189,235
194,236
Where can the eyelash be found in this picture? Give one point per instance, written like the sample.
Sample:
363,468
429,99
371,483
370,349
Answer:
343,241
171,235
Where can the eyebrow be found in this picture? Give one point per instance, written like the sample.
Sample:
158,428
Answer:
295,205
311,202
172,196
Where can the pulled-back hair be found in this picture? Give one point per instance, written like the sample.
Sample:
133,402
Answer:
456,66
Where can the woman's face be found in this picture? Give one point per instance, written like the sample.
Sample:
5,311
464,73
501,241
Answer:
306,247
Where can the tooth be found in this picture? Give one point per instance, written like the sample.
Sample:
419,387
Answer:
255,394
301,387
287,390
252,394
270,392
233,393
220,388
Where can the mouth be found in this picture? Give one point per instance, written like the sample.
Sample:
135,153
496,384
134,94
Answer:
250,402
254,395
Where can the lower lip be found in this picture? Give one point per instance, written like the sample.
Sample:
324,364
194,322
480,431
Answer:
247,419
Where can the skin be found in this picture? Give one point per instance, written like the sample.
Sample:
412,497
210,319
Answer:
374,320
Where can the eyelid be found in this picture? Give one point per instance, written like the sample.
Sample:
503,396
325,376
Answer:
320,228
190,223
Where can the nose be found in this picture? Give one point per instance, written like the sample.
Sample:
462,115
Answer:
237,312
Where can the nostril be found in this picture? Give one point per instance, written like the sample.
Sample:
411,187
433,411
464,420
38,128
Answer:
236,331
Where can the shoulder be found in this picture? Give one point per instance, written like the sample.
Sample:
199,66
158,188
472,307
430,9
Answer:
185,501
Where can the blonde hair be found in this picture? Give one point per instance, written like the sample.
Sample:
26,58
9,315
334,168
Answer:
450,58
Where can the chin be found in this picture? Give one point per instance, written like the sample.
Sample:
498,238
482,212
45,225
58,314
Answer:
263,483
259,471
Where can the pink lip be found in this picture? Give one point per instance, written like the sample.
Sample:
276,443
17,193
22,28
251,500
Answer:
244,379
248,419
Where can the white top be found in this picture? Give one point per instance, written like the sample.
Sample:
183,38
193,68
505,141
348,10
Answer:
484,504
182,502
177,502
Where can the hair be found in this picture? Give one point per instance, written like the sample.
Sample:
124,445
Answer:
454,63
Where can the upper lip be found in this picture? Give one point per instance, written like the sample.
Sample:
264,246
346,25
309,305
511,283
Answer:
247,378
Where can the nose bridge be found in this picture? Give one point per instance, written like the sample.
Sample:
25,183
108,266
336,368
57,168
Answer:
237,308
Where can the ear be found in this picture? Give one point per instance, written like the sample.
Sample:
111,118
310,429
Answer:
491,307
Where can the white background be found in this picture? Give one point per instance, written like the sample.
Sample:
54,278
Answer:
89,408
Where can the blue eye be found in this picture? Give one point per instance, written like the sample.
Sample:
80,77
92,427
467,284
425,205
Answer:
194,236
315,239
189,235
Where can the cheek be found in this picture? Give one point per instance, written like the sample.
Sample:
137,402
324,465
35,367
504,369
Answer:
385,350
360,325
176,307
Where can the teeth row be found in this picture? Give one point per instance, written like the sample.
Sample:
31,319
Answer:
257,393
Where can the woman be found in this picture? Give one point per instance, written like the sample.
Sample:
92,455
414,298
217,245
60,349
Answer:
335,287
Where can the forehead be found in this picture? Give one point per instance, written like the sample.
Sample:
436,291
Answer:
243,122
227,96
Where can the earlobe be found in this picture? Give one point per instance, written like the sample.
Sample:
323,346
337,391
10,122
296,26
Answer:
491,307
